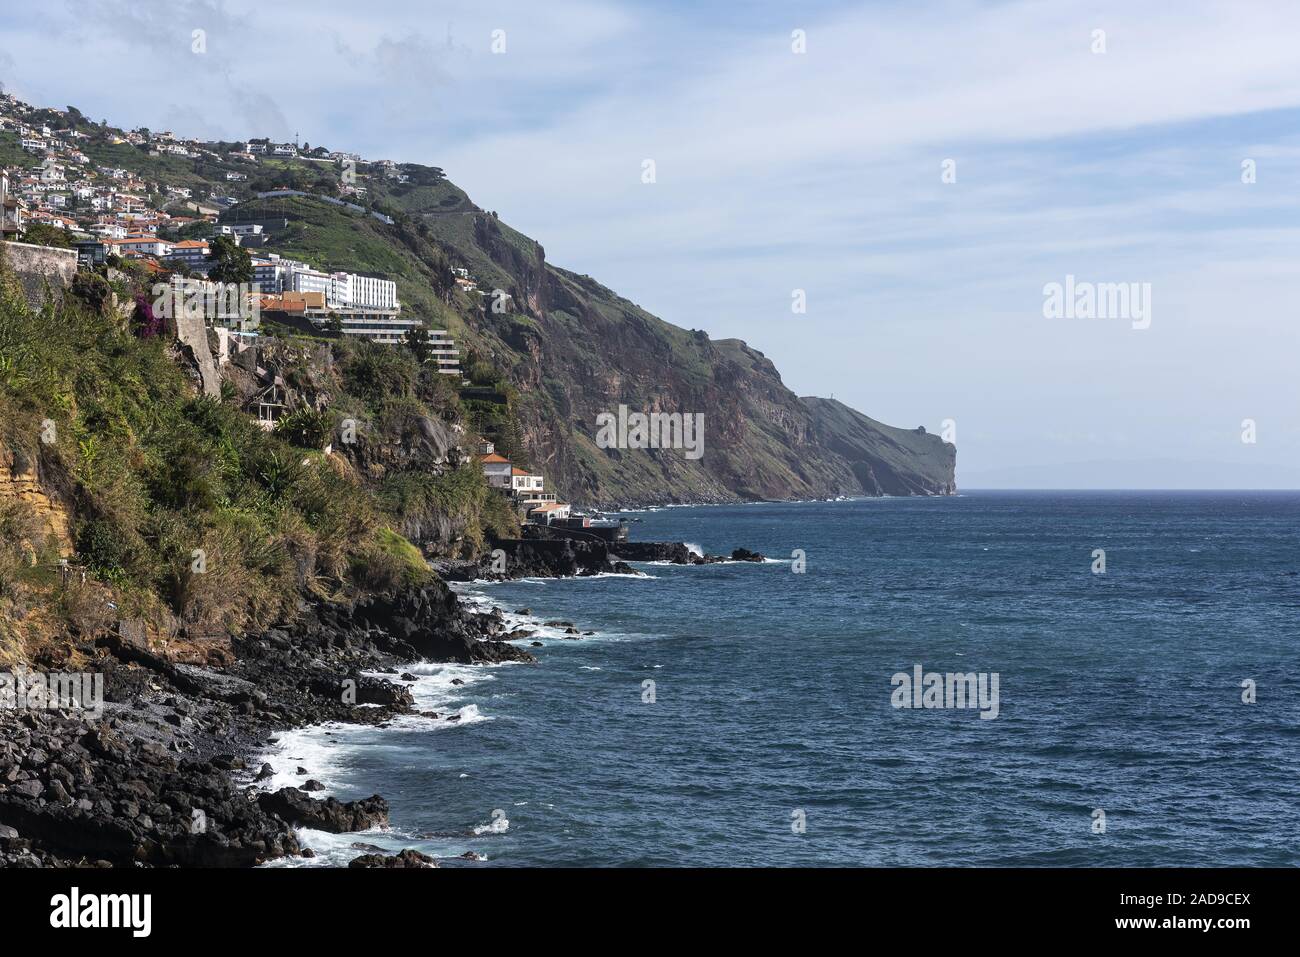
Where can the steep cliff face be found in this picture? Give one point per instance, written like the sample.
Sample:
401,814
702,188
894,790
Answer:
884,460
575,350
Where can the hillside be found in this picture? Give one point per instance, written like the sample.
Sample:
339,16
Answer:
885,460
575,349
561,349
571,348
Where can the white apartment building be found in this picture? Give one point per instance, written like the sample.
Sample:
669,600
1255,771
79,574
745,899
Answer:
302,278
350,291
444,354
109,230
192,252
148,245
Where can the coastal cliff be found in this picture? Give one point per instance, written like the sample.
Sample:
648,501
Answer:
575,349
549,350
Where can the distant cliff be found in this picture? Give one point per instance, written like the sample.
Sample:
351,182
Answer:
884,460
575,349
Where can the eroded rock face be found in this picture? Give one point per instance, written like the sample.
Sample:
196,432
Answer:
425,623
582,351
884,460
675,552
20,483
539,558
192,344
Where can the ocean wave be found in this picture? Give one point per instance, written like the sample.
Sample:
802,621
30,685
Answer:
498,825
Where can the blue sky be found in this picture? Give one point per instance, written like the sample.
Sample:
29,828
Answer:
821,171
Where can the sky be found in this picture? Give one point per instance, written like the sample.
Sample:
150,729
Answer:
921,172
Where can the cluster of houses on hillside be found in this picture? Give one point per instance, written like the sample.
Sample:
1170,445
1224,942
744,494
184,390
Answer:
64,189
112,212
527,490
114,215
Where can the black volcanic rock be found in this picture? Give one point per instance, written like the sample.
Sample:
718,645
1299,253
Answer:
406,858
297,808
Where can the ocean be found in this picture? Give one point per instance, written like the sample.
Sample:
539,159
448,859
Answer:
1145,716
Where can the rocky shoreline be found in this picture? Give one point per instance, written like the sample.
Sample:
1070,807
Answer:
160,777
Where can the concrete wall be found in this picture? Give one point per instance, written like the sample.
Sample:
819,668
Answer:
36,266
193,336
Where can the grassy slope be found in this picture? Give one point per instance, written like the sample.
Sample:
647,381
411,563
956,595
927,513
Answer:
149,472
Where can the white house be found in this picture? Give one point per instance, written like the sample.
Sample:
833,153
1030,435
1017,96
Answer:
148,245
524,483
497,469
549,512
192,252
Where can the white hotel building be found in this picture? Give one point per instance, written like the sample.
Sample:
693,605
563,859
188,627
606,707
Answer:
367,307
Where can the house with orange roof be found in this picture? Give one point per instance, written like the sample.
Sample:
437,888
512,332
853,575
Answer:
496,469
144,245
549,512
523,483
192,252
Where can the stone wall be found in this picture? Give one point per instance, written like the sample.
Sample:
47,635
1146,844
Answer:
192,334
39,266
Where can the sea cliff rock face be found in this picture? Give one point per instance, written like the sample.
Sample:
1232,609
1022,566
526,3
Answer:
884,460
574,350
20,485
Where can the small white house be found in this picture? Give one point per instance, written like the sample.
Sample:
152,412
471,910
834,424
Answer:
497,469
523,482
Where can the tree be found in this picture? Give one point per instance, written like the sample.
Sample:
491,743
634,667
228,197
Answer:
417,340
230,262
40,234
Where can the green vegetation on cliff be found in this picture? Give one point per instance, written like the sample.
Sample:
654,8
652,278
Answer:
187,515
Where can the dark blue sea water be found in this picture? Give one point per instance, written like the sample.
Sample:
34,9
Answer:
1119,692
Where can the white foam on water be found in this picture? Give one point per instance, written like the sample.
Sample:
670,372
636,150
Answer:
694,549
322,749
498,825
336,850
